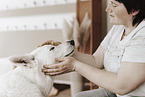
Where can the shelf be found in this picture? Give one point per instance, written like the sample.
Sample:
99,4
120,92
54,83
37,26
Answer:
54,9
32,31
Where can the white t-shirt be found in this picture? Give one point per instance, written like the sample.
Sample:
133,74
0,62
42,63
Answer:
130,49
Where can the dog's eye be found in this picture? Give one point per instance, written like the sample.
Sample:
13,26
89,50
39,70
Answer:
52,48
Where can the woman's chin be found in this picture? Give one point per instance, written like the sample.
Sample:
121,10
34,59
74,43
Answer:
112,22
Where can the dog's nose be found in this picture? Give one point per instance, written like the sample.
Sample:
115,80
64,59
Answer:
72,42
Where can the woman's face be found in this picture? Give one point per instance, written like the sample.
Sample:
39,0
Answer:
118,13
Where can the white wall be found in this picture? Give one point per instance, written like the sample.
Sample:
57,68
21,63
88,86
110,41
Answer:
19,43
25,25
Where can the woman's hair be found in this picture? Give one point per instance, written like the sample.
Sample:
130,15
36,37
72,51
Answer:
135,5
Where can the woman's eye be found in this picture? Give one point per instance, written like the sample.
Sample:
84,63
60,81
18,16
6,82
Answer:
52,48
114,5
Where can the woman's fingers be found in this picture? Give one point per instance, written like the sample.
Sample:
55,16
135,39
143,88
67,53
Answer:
53,70
52,66
49,70
60,59
64,66
56,73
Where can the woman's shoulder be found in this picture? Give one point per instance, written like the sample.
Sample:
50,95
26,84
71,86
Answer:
138,39
141,26
140,31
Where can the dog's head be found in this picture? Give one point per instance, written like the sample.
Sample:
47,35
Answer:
44,55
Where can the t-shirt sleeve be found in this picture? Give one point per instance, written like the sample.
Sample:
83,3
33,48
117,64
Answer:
134,54
135,50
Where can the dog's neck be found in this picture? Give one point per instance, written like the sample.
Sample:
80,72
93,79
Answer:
43,81
35,75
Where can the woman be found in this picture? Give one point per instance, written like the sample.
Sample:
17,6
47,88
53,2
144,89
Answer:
121,53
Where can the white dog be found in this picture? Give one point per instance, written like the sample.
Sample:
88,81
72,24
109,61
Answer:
27,80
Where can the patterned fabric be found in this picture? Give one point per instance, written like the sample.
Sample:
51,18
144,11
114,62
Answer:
130,49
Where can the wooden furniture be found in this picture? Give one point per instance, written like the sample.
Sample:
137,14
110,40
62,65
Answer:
93,7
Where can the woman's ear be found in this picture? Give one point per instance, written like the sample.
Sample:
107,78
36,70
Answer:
21,60
134,13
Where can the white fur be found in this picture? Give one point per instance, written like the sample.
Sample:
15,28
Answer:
27,80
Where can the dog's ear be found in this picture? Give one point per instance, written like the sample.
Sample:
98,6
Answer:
26,59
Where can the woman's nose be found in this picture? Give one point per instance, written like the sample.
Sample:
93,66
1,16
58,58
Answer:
108,9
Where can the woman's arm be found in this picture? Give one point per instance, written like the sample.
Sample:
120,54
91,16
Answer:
95,60
129,77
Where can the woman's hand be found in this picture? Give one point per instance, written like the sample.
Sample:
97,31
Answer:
65,65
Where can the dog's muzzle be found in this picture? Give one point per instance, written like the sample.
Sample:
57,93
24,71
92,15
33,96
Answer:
73,44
